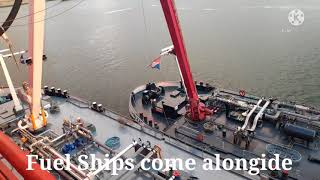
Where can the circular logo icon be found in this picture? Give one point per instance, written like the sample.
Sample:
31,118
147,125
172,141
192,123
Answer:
296,17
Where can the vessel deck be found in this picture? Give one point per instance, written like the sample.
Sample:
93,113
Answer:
265,133
109,124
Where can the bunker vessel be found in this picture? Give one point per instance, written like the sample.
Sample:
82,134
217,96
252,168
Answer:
233,124
169,120
52,125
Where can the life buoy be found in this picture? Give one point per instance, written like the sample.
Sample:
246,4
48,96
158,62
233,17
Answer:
242,93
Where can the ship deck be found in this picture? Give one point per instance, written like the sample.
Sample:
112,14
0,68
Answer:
109,124
213,142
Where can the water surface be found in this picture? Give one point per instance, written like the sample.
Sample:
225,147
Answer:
99,50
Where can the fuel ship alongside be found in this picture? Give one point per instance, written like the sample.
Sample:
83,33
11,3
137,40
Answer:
185,119
233,124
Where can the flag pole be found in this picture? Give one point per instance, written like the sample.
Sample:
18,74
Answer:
181,77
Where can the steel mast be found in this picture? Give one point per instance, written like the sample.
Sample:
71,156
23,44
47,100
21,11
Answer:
197,110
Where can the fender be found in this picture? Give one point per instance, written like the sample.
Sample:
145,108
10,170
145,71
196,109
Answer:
13,14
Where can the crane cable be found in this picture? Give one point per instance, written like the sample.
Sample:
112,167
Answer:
27,15
10,46
53,16
6,25
146,29
13,14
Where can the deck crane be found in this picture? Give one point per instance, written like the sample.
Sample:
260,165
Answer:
196,110
37,118
8,149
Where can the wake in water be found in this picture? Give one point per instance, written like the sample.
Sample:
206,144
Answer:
118,11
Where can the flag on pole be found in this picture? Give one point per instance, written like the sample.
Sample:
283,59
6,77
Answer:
155,64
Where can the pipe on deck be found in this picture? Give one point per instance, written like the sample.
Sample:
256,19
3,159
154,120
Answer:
73,167
148,156
258,116
91,175
19,160
124,172
250,114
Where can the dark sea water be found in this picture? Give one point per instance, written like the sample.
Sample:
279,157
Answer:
99,50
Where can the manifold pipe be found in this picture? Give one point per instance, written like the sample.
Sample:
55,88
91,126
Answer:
91,175
148,156
300,107
74,174
64,174
273,117
61,172
231,102
135,154
57,138
75,168
300,116
84,129
18,159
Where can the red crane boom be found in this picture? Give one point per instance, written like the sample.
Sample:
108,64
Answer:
196,111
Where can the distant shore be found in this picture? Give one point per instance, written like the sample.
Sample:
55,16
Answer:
7,3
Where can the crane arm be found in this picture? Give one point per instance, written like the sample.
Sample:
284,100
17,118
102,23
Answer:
35,50
179,47
196,111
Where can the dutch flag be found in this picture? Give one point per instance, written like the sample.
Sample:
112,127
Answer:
156,63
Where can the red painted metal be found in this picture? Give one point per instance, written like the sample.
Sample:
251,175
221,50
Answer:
6,173
196,111
19,160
